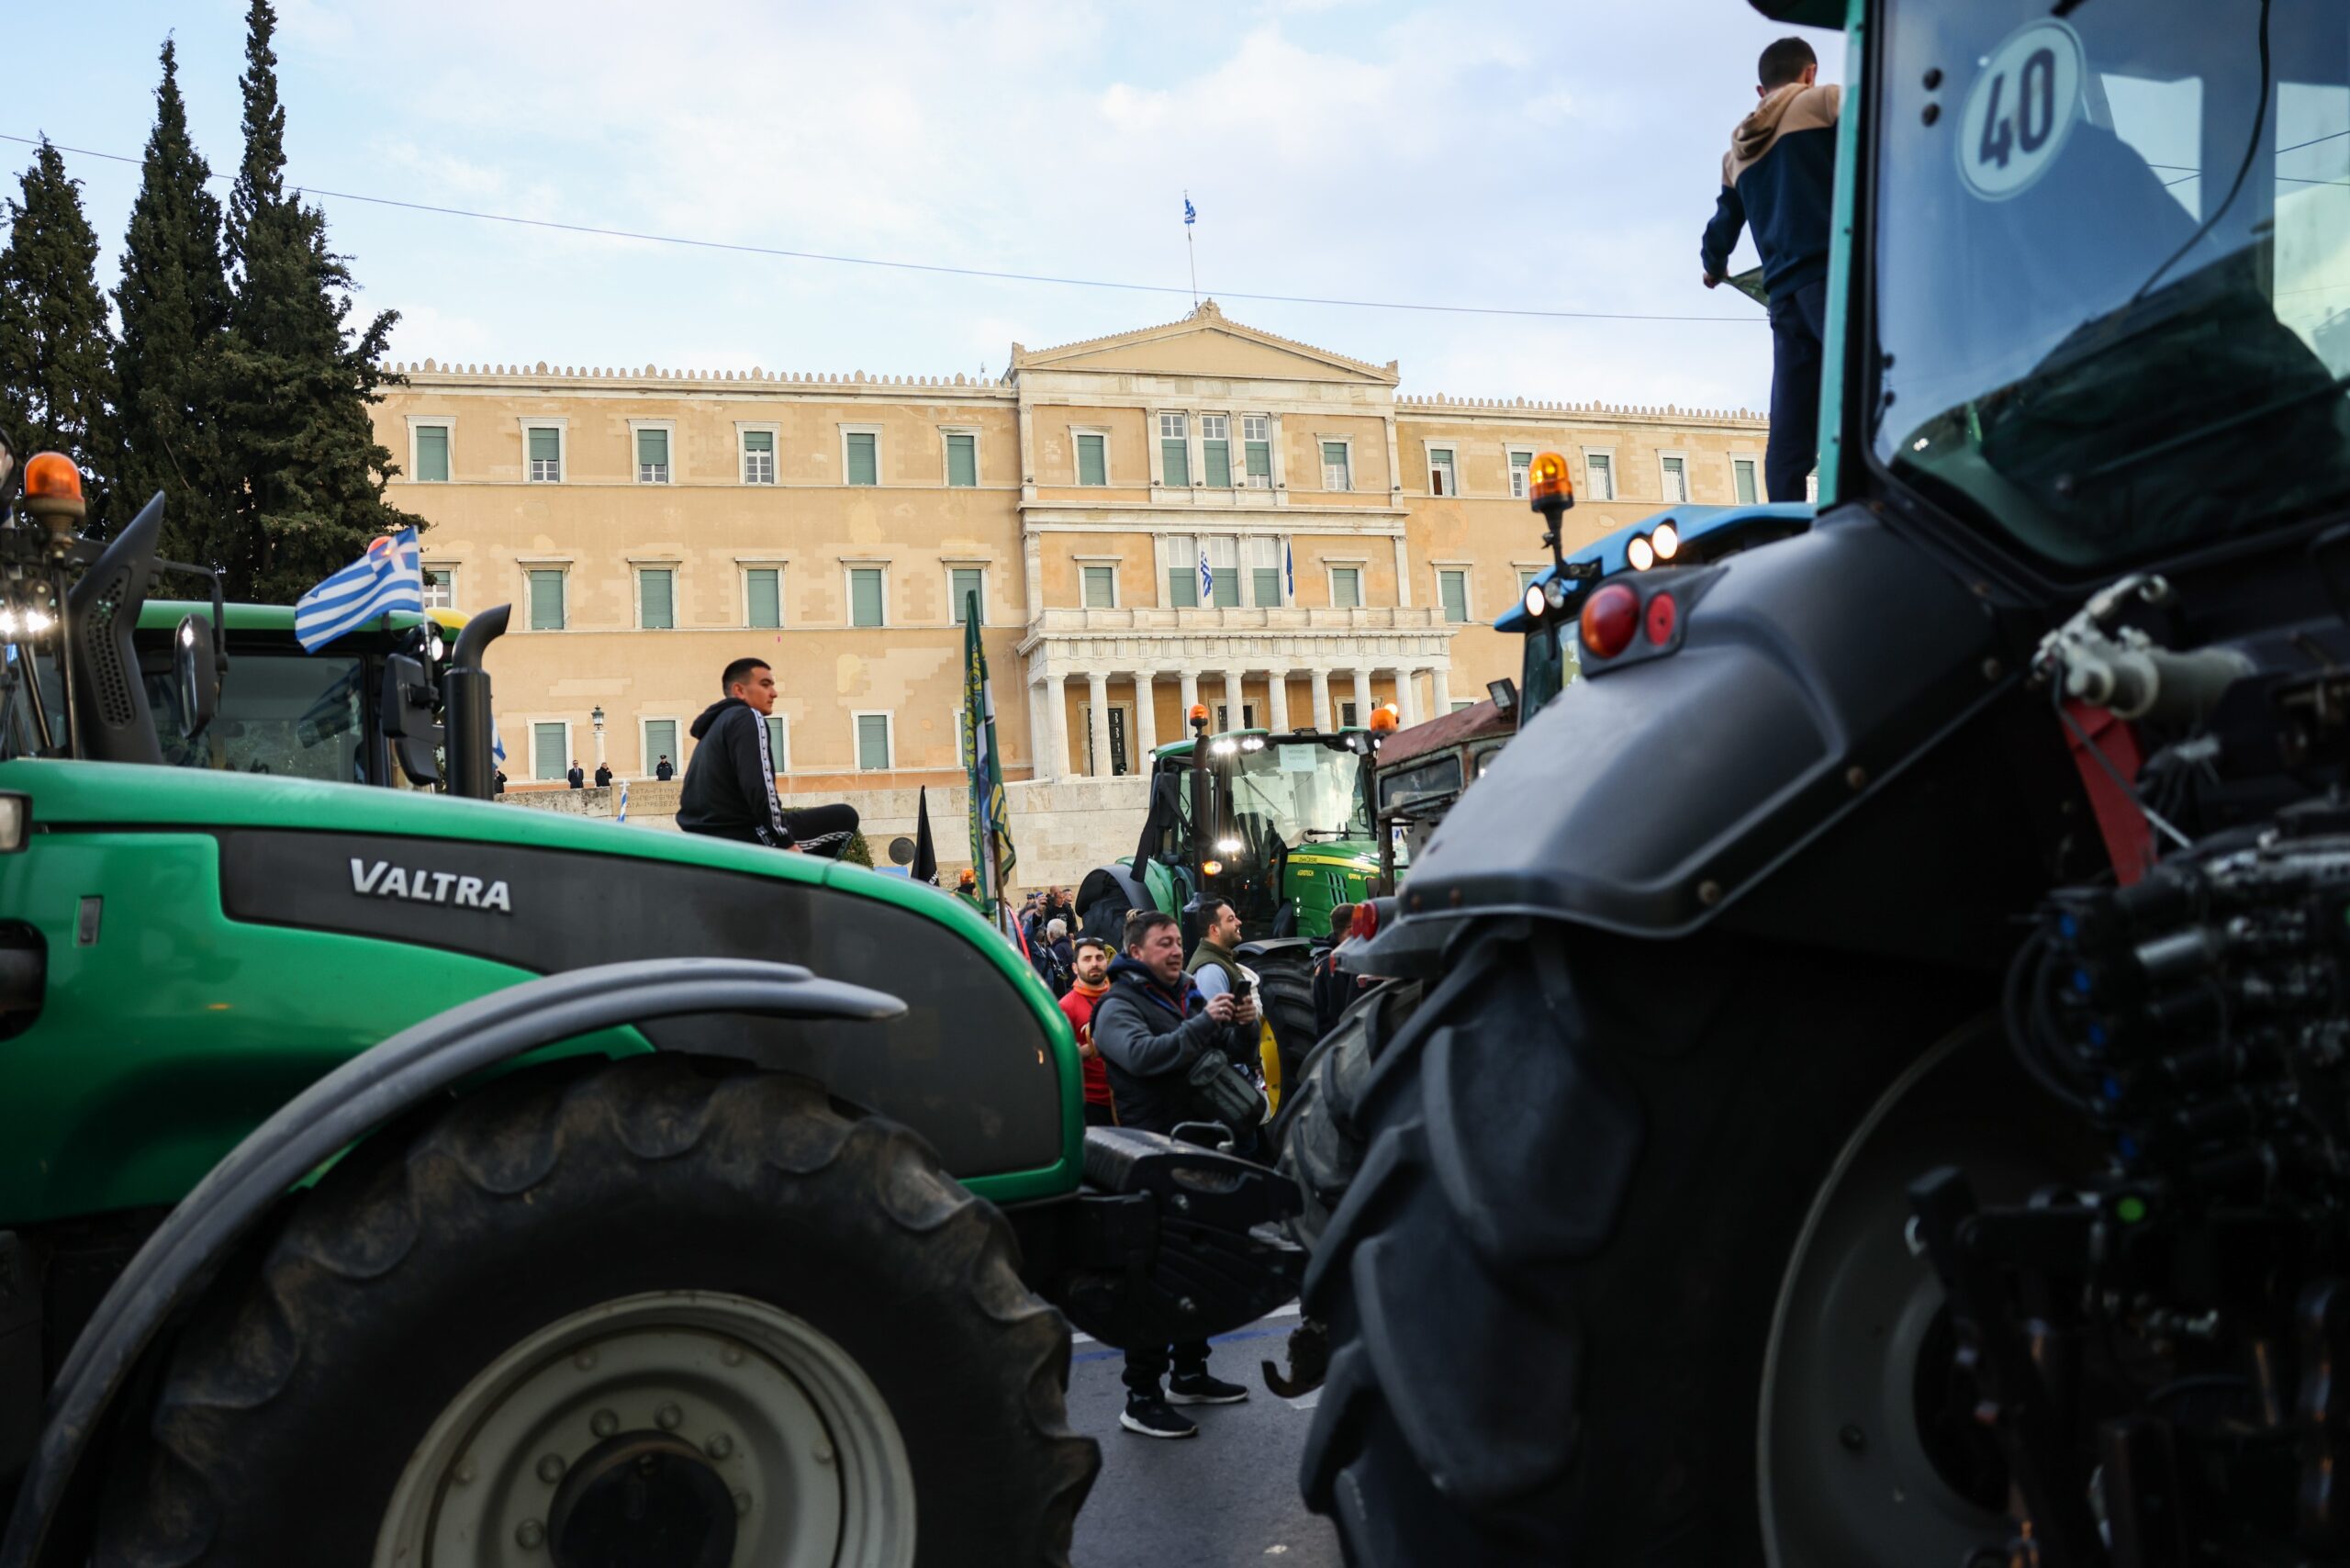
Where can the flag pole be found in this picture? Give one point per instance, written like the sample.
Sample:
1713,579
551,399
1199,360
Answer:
1189,251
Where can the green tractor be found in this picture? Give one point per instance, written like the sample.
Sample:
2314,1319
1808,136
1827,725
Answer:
389,1177
1277,825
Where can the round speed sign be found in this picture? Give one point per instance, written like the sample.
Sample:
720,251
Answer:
2021,110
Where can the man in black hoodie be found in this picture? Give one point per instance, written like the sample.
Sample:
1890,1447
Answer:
730,782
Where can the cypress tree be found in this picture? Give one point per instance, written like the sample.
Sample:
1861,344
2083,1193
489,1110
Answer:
173,304
55,372
306,474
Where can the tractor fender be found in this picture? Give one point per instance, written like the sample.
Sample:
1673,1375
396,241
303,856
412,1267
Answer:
1647,797
1247,951
1106,894
425,1059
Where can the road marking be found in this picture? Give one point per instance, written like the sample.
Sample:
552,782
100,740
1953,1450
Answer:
1288,1311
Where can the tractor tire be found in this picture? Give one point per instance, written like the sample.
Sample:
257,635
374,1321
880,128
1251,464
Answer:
1285,991
656,1310
1316,1140
1624,1277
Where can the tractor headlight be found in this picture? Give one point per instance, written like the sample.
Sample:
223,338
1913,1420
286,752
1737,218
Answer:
1639,553
1554,594
14,813
1227,846
1224,748
1535,600
1665,541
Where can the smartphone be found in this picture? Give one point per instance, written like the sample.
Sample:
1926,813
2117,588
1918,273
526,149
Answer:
1242,987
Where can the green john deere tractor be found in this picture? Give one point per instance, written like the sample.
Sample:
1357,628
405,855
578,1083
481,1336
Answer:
389,1177
1278,826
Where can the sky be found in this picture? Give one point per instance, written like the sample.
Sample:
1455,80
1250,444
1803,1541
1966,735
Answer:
1552,157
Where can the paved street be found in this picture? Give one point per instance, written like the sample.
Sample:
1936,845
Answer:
1227,1496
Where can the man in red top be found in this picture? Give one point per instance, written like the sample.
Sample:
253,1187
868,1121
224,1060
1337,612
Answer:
1092,969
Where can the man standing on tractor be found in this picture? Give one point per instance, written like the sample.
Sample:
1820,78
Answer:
1152,1028
729,783
1090,984
1779,179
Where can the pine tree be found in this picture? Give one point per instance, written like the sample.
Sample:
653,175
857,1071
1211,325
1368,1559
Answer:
306,474
56,378
173,303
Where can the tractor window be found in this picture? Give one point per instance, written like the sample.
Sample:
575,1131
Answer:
1295,792
2113,269
289,714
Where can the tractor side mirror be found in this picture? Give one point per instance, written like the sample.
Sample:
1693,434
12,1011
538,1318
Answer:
195,674
409,698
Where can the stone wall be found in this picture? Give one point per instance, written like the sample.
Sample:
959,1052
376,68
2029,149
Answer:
1060,830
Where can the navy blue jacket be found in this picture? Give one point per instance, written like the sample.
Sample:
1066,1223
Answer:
1779,178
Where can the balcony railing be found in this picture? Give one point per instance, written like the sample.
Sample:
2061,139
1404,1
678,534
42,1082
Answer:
1389,617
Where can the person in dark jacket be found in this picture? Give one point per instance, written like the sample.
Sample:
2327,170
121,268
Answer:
603,776
1330,988
665,769
1150,1029
730,785
575,779
1779,180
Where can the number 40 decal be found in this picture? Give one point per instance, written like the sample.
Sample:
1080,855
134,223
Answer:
2021,110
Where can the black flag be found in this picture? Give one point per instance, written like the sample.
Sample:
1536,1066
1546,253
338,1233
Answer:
925,865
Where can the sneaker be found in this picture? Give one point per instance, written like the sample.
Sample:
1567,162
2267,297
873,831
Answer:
1153,1419
1199,1388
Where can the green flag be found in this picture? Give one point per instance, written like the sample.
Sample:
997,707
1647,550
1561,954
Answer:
992,851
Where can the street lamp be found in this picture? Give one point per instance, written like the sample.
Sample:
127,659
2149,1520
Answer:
598,718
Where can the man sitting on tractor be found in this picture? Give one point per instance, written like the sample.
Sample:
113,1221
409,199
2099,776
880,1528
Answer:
729,783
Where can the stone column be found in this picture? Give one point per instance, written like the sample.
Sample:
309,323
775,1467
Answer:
1322,720
1097,717
1439,692
1362,697
1407,697
1057,725
1191,699
1234,713
1277,701
1040,745
1146,718
1402,573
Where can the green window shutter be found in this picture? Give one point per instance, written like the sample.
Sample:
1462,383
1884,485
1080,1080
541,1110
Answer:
1742,471
432,454
962,460
1175,463
1092,468
861,468
1453,587
864,596
1346,588
660,741
1183,586
759,441
758,457
872,740
1227,586
653,453
547,752
1100,588
656,597
1216,458
1267,588
777,756
767,597
546,601
1335,473
1259,457
547,445
1602,477
968,580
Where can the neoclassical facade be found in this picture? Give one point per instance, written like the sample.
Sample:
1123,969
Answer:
1194,512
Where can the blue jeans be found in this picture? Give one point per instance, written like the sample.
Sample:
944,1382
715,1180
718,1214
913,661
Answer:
1798,319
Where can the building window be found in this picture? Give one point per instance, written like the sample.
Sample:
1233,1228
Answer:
1742,479
547,600
1452,592
1092,458
962,459
1264,572
1346,588
860,462
1215,450
867,599
1174,451
1100,588
1256,450
544,443
432,454
763,596
440,586
656,597
758,457
1521,461
550,751
1599,470
1525,576
1347,716
1182,573
1676,479
1223,571
1337,471
872,741
779,743
652,457
660,741
962,582
1442,480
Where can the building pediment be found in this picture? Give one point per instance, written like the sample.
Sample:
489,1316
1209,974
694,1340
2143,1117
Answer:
1205,344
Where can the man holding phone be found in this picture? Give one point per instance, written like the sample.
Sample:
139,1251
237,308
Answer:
1213,967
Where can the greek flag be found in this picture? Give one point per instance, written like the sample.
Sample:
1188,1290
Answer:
1207,580
390,577
1190,214
1288,573
624,801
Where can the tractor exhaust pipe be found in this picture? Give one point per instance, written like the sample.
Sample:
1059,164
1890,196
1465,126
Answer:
472,740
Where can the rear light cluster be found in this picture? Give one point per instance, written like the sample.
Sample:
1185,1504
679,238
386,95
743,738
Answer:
1613,615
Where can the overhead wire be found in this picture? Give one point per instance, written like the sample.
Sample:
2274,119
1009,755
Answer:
834,258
